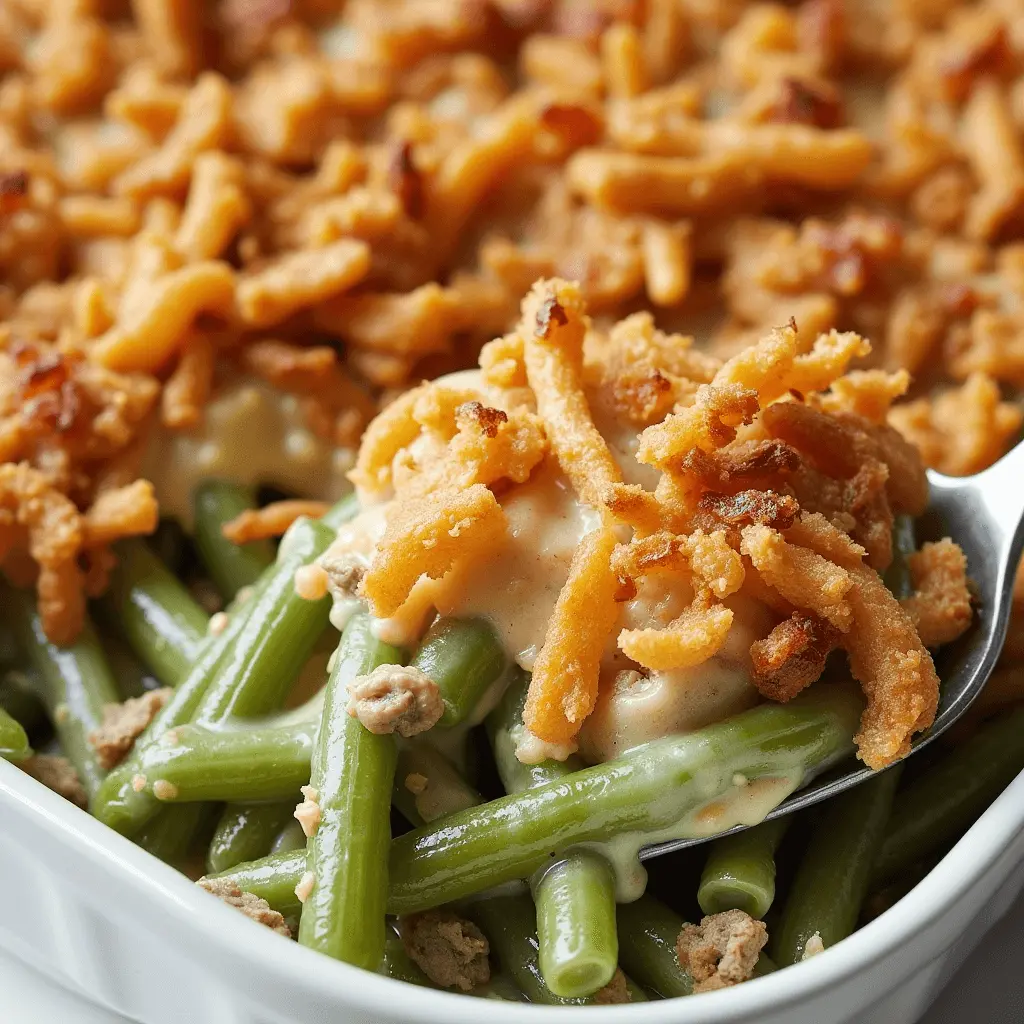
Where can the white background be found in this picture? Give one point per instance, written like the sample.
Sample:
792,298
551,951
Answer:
989,989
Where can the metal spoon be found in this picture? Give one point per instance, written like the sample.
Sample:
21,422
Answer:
984,514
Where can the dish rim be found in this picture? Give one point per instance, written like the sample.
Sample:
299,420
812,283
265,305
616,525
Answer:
161,896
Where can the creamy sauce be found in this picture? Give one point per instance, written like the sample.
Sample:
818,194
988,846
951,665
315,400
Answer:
635,709
250,434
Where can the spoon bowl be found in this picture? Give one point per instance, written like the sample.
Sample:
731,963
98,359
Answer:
984,514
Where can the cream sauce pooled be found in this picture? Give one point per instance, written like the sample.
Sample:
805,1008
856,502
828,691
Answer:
250,434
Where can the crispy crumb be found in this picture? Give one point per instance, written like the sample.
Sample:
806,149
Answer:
58,774
940,606
253,907
416,783
722,950
122,723
615,992
395,698
305,886
164,790
307,814
311,582
813,946
138,782
450,950
218,623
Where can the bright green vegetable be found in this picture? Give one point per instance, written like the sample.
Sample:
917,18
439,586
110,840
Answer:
464,657
74,682
575,896
832,879
397,963
510,924
153,611
290,838
245,832
231,566
13,739
740,871
933,810
272,878
647,947
228,763
352,775
168,835
651,788
444,790
279,633
579,947
341,512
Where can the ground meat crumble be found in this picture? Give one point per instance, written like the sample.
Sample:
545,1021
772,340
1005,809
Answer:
393,698
58,774
122,724
722,950
254,907
450,950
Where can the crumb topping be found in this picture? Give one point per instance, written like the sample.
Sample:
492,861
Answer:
253,907
722,950
394,698
450,950
123,723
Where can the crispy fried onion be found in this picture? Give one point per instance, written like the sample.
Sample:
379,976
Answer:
940,606
563,688
792,656
271,520
427,536
553,327
715,571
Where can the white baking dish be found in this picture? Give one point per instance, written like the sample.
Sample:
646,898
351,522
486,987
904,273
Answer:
90,912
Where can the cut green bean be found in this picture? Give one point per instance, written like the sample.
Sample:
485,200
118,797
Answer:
648,931
230,763
281,629
13,739
168,835
273,879
579,947
464,657
75,683
290,838
341,512
397,963
230,566
933,811
510,925
428,786
20,699
353,773
648,791
575,895
153,611
645,793
740,871
832,879
246,832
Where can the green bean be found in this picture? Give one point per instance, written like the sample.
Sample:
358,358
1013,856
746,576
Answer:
643,793
279,634
272,878
122,802
397,963
13,739
168,835
290,838
510,925
740,871
341,512
230,566
464,657
897,576
154,612
579,947
74,683
832,878
19,698
933,810
239,764
245,832
647,947
444,790
575,896
352,773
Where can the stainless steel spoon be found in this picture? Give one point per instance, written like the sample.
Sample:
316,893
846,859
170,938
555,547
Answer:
984,514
